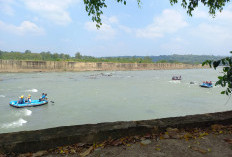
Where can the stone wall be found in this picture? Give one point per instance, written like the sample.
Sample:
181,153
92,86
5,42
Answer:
46,66
32,141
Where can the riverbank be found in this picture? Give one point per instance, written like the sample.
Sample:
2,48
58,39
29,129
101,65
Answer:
113,133
214,141
59,66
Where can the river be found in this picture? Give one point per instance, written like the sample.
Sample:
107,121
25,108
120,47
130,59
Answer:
94,97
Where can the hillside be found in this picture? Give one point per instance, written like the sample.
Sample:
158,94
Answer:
192,59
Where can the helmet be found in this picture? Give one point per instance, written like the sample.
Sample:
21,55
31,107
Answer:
22,96
29,95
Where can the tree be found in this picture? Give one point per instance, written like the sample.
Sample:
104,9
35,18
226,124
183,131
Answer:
78,55
94,7
214,5
226,79
27,51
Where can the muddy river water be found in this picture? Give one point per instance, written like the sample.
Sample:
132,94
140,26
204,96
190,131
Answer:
94,97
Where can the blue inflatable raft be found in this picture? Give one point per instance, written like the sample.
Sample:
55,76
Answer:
206,85
32,104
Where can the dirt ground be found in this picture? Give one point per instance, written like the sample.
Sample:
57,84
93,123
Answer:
209,146
215,141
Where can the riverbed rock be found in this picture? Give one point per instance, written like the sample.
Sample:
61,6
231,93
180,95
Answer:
145,142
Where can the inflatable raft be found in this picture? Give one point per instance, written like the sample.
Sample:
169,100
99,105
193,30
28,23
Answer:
32,104
176,78
206,85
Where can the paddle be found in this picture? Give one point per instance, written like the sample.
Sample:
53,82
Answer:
52,101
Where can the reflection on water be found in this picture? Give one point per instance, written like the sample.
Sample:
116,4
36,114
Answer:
93,97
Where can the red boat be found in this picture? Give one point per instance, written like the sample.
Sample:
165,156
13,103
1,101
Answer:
176,77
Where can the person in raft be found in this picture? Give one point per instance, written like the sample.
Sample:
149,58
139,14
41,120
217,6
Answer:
46,98
21,100
42,97
29,99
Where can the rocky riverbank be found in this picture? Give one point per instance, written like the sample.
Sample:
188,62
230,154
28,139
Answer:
48,66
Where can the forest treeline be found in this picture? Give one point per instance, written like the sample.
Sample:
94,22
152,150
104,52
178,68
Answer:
48,56
189,59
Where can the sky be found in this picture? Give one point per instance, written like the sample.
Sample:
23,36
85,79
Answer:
155,28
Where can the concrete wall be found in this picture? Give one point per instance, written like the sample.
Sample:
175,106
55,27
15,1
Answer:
46,66
32,141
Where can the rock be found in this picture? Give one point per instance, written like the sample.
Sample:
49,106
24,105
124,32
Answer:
97,150
73,151
25,155
142,139
173,133
166,136
39,153
145,142
172,130
87,152
176,136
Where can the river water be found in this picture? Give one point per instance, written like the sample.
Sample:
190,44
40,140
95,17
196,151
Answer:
94,97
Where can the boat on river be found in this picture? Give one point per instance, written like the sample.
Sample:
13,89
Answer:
176,77
206,84
32,104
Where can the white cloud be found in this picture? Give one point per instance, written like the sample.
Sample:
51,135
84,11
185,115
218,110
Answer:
113,19
26,27
5,7
170,21
225,15
216,30
125,28
54,10
213,33
200,14
105,32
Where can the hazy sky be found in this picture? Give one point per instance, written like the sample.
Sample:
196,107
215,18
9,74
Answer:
157,28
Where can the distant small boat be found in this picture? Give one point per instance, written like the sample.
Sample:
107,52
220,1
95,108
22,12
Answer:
206,85
176,77
32,104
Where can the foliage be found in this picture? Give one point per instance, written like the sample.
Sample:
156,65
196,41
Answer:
213,5
188,59
226,79
94,7
48,56
162,61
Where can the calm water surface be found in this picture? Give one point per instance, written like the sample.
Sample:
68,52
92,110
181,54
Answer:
93,97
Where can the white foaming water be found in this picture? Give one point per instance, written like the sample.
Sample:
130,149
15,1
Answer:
14,124
174,81
2,96
24,112
27,112
32,90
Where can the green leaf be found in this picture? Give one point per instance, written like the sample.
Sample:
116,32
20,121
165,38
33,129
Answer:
223,92
216,64
226,69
